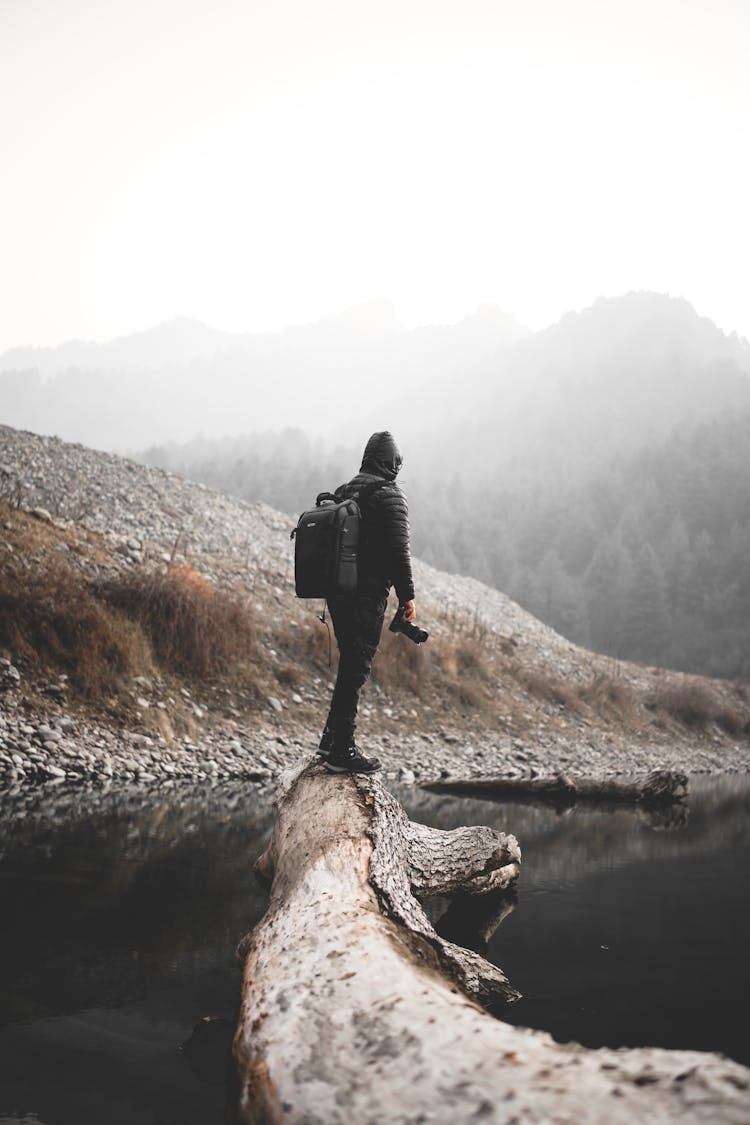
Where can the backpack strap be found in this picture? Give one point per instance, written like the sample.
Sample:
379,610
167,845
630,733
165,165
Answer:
364,493
367,490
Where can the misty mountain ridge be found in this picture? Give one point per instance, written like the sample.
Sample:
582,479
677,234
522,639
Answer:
181,378
176,341
623,373
596,381
184,339
662,328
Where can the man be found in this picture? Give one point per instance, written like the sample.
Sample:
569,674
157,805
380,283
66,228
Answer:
384,560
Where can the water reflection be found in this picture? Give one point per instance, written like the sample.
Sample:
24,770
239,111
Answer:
207,1050
472,920
121,910
576,840
627,929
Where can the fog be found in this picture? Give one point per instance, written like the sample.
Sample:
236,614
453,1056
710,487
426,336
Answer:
183,378
238,238
596,471
255,166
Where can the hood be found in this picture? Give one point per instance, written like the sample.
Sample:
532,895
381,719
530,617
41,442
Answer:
382,456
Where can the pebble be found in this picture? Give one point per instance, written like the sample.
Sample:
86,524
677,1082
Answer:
142,510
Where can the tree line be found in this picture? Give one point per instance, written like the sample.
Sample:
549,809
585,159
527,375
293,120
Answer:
645,558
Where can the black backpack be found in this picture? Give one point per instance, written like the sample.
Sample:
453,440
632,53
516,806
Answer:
326,541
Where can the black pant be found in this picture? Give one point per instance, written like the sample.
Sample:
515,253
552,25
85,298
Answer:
357,623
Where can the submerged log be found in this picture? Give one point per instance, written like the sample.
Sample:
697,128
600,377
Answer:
355,1011
658,787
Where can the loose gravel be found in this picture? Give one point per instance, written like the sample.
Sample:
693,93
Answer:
113,514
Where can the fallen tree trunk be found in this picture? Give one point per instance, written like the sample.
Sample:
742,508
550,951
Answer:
355,1011
658,787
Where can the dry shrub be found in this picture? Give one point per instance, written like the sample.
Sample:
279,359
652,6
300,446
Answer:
401,665
695,705
448,661
468,627
195,628
469,676
547,688
462,660
310,643
290,675
741,690
51,618
454,674
471,696
603,694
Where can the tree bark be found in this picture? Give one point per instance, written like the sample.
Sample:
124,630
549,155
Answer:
355,1011
658,787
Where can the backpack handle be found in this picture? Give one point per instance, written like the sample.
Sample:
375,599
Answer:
325,498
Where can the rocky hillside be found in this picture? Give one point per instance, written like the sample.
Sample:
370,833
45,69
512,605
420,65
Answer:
92,549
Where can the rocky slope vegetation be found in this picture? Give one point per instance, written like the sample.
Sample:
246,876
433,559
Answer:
94,548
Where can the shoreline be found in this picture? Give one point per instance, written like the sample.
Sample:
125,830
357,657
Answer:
75,749
497,692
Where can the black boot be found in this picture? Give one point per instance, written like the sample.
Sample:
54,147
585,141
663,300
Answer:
349,760
325,746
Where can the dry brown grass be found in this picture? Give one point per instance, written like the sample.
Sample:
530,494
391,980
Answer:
176,623
741,691
468,627
290,675
696,706
50,619
195,628
462,660
450,675
607,696
400,665
545,686
307,644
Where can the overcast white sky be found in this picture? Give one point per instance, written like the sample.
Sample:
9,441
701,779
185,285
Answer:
261,164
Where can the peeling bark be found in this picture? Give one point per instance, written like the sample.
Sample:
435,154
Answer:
355,1011
658,787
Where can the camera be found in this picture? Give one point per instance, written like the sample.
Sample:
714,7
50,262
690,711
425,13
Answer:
408,628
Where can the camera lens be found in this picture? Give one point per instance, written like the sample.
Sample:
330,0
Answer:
413,632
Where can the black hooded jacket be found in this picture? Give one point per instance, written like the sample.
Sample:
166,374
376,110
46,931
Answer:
384,554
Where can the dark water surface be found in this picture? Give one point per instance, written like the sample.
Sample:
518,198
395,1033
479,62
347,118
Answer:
630,928
120,912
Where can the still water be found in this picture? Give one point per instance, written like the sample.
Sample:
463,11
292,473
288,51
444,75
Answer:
120,912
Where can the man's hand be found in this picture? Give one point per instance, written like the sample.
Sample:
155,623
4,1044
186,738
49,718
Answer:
409,610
